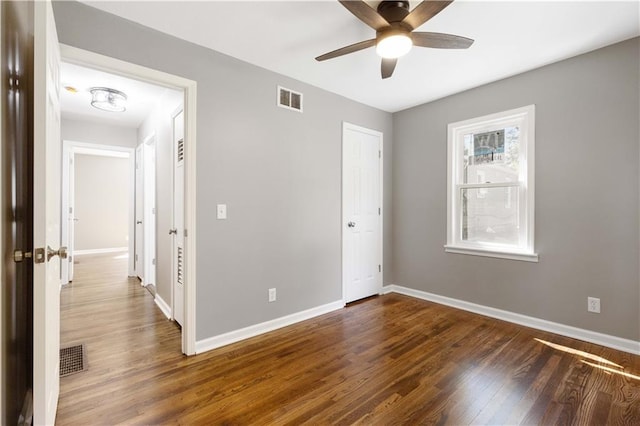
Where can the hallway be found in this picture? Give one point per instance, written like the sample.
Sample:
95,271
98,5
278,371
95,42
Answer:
126,336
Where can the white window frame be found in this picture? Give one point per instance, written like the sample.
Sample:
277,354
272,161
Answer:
524,118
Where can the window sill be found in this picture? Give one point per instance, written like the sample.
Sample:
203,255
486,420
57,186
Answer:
511,255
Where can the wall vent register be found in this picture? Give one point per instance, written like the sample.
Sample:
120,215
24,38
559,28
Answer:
289,99
180,150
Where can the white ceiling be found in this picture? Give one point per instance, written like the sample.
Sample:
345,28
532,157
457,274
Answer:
510,37
141,97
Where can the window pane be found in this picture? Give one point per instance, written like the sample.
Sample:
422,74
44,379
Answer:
490,215
492,156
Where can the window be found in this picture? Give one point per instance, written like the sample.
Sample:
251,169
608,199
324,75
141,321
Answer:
490,185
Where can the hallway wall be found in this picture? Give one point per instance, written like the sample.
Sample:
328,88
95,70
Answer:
101,202
160,124
97,133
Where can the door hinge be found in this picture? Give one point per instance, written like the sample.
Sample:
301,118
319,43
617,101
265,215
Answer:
185,233
379,154
379,268
379,211
70,210
136,257
153,262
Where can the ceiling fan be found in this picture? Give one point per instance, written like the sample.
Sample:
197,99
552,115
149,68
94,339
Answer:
394,25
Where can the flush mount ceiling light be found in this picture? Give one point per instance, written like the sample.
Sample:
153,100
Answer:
108,99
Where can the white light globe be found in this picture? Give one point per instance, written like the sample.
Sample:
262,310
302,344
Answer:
394,46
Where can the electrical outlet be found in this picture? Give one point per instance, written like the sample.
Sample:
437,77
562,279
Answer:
221,211
272,295
593,305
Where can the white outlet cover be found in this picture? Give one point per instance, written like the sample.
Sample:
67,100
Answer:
593,305
221,211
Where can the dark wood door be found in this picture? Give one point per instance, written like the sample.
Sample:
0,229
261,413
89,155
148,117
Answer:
16,199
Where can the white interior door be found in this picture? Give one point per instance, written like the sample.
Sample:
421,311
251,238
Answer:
149,220
46,227
361,212
178,218
139,214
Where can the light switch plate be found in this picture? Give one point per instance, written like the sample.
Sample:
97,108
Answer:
221,211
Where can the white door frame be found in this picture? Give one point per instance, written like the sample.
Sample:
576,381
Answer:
115,66
149,216
69,149
138,214
345,218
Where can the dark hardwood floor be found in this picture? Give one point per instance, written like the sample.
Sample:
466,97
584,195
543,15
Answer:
387,360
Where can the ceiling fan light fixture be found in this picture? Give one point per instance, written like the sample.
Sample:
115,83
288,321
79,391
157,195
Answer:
394,46
108,99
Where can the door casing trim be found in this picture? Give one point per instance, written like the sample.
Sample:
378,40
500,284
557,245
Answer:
94,60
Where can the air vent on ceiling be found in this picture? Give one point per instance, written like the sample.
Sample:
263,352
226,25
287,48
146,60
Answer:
289,99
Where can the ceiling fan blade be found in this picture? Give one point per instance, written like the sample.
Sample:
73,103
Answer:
347,49
440,40
387,67
365,13
424,11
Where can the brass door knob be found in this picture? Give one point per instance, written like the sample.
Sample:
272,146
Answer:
62,252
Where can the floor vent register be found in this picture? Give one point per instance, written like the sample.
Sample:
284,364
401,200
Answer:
73,359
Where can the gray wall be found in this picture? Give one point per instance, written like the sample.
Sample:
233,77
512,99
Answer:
277,170
587,227
96,133
160,124
101,202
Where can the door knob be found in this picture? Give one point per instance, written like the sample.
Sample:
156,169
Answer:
173,231
62,252
351,224
138,222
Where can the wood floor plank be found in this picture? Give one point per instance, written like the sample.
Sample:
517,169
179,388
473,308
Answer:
387,360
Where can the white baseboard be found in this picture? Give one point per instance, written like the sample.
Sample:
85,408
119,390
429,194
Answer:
254,330
100,251
614,342
164,306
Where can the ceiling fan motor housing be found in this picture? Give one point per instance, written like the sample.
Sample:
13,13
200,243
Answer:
393,11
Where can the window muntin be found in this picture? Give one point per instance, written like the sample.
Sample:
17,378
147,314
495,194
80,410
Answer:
490,185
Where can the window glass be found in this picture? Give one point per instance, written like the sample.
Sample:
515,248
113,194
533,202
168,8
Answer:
491,157
490,215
